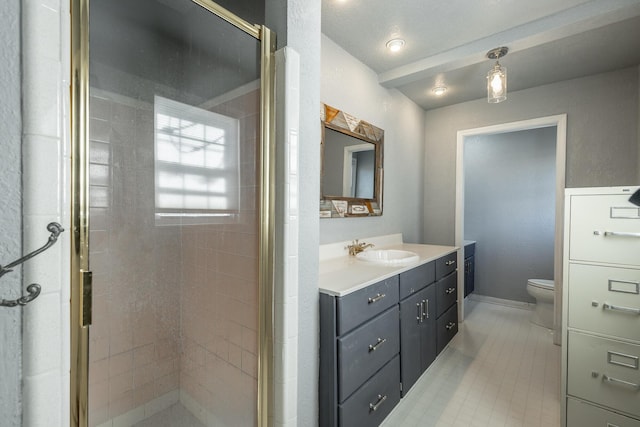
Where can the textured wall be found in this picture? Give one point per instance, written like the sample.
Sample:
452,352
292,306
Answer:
602,137
509,203
10,212
350,86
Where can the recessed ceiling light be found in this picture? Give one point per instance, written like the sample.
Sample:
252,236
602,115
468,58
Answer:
395,45
439,90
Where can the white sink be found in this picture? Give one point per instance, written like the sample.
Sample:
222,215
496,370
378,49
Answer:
389,257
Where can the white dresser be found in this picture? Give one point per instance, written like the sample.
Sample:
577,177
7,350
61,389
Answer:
601,309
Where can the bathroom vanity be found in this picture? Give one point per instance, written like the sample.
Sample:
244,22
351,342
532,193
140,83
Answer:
381,326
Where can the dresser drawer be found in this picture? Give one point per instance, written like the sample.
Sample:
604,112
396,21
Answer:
366,349
374,400
362,305
446,265
417,278
446,327
605,300
582,414
605,228
604,371
446,293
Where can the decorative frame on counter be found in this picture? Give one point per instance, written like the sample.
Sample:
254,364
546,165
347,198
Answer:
340,206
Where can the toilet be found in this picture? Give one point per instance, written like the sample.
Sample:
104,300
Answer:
542,291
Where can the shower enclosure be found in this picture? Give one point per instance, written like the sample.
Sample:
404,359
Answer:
172,260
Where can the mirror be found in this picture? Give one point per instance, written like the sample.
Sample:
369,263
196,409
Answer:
351,179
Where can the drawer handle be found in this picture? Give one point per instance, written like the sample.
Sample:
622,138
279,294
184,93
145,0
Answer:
377,298
629,310
380,401
621,382
425,309
419,318
450,325
450,262
374,347
616,234
449,291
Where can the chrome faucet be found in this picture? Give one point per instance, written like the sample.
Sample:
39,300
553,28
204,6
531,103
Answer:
356,247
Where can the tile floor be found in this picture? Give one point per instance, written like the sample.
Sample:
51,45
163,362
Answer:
499,370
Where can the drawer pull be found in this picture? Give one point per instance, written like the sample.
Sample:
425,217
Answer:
425,309
621,382
615,358
450,262
419,318
629,310
449,326
377,298
612,425
374,347
449,291
380,401
615,234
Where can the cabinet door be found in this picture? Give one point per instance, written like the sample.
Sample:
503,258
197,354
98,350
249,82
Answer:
410,357
417,336
469,275
428,347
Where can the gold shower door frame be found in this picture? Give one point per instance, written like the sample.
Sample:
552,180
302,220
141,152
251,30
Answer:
81,275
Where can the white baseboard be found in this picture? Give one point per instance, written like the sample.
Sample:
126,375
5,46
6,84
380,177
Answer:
500,301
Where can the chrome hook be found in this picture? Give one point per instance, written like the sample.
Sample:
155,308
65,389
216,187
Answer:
34,289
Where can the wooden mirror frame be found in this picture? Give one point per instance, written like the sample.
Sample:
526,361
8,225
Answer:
338,206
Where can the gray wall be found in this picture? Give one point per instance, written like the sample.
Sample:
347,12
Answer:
10,212
297,23
509,209
602,137
349,85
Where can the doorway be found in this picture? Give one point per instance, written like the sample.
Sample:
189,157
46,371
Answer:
172,256
559,122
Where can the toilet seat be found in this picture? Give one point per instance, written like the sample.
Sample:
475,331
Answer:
541,283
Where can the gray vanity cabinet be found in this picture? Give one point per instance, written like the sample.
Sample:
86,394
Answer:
377,341
469,268
359,362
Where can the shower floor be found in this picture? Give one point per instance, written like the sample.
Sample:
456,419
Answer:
174,416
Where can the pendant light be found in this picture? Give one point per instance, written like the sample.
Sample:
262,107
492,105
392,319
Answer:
497,77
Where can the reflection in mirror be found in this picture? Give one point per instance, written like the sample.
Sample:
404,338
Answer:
351,166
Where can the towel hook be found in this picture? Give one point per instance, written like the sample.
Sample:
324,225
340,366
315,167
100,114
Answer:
34,289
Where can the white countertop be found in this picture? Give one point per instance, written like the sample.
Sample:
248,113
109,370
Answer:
342,275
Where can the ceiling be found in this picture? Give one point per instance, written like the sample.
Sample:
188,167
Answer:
447,41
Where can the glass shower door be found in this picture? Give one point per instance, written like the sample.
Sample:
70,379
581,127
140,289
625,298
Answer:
174,206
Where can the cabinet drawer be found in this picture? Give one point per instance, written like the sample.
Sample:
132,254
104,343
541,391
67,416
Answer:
417,278
446,327
446,265
582,414
446,293
362,305
366,349
374,400
605,228
605,300
604,371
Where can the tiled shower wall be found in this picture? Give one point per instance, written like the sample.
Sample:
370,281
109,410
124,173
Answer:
45,169
175,307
